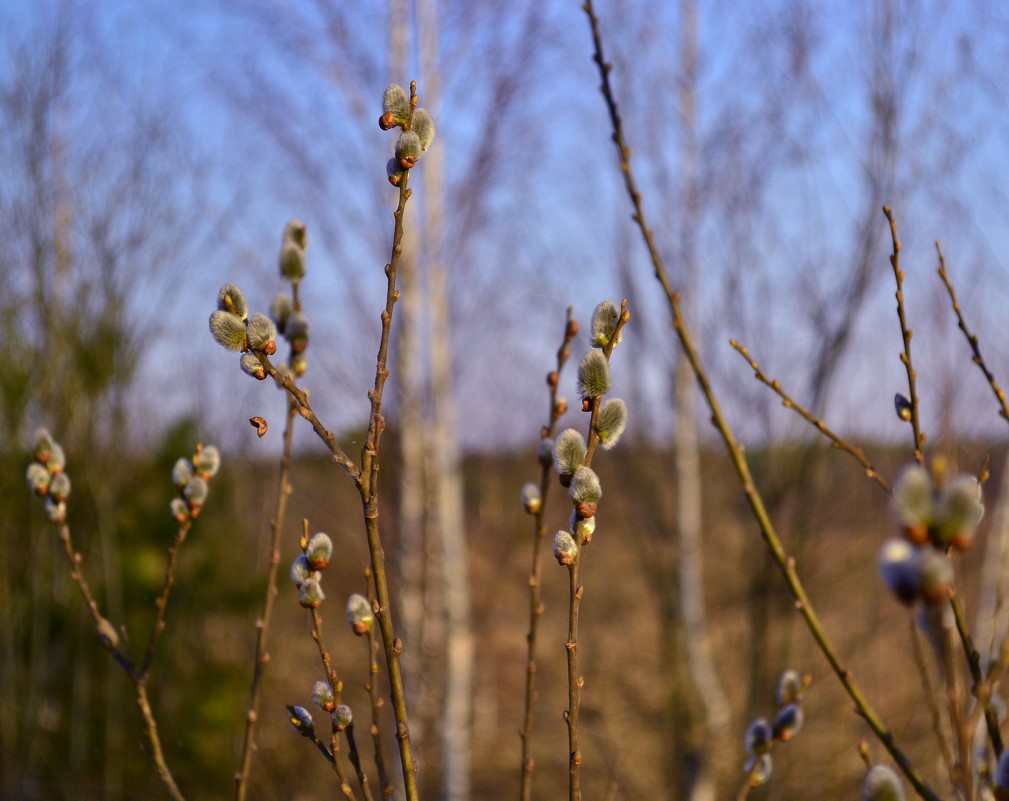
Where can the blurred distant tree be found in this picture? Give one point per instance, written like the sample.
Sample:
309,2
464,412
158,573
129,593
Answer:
90,226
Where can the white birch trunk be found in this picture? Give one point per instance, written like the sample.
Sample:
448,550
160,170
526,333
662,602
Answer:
689,521
455,724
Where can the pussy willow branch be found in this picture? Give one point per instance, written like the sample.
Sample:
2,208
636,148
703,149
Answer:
748,780
337,686
375,696
355,760
963,769
366,480
972,339
930,695
539,533
906,333
593,440
576,591
137,678
973,658
980,692
304,408
161,604
575,681
367,485
785,564
263,624
838,442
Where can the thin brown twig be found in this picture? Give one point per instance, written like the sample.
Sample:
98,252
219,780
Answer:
962,769
933,708
972,339
539,533
355,760
973,659
785,564
334,745
366,480
332,678
263,623
367,484
576,591
304,408
836,440
977,677
161,603
108,637
375,696
575,681
906,334
593,440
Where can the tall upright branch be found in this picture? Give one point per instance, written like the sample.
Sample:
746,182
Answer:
263,623
535,571
367,484
770,536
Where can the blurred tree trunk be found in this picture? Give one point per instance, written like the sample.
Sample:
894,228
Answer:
77,200
455,724
694,780
411,395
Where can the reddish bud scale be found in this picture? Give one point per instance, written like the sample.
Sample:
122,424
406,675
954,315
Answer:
586,510
917,534
962,541
387,121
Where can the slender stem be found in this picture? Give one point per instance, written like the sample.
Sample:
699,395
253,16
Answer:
930,694
334,744
575,681
972,339
836,440
539,533
355,760
770,536
105,630
962,771
376,698
367,483
155,752
974,664
327,661
161,604
304,408
577,590
906,333
108,637
593,440
263,624
393,648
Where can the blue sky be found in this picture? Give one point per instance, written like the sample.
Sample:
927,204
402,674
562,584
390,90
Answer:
268,119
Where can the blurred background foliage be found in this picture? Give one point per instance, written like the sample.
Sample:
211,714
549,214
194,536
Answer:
150,153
